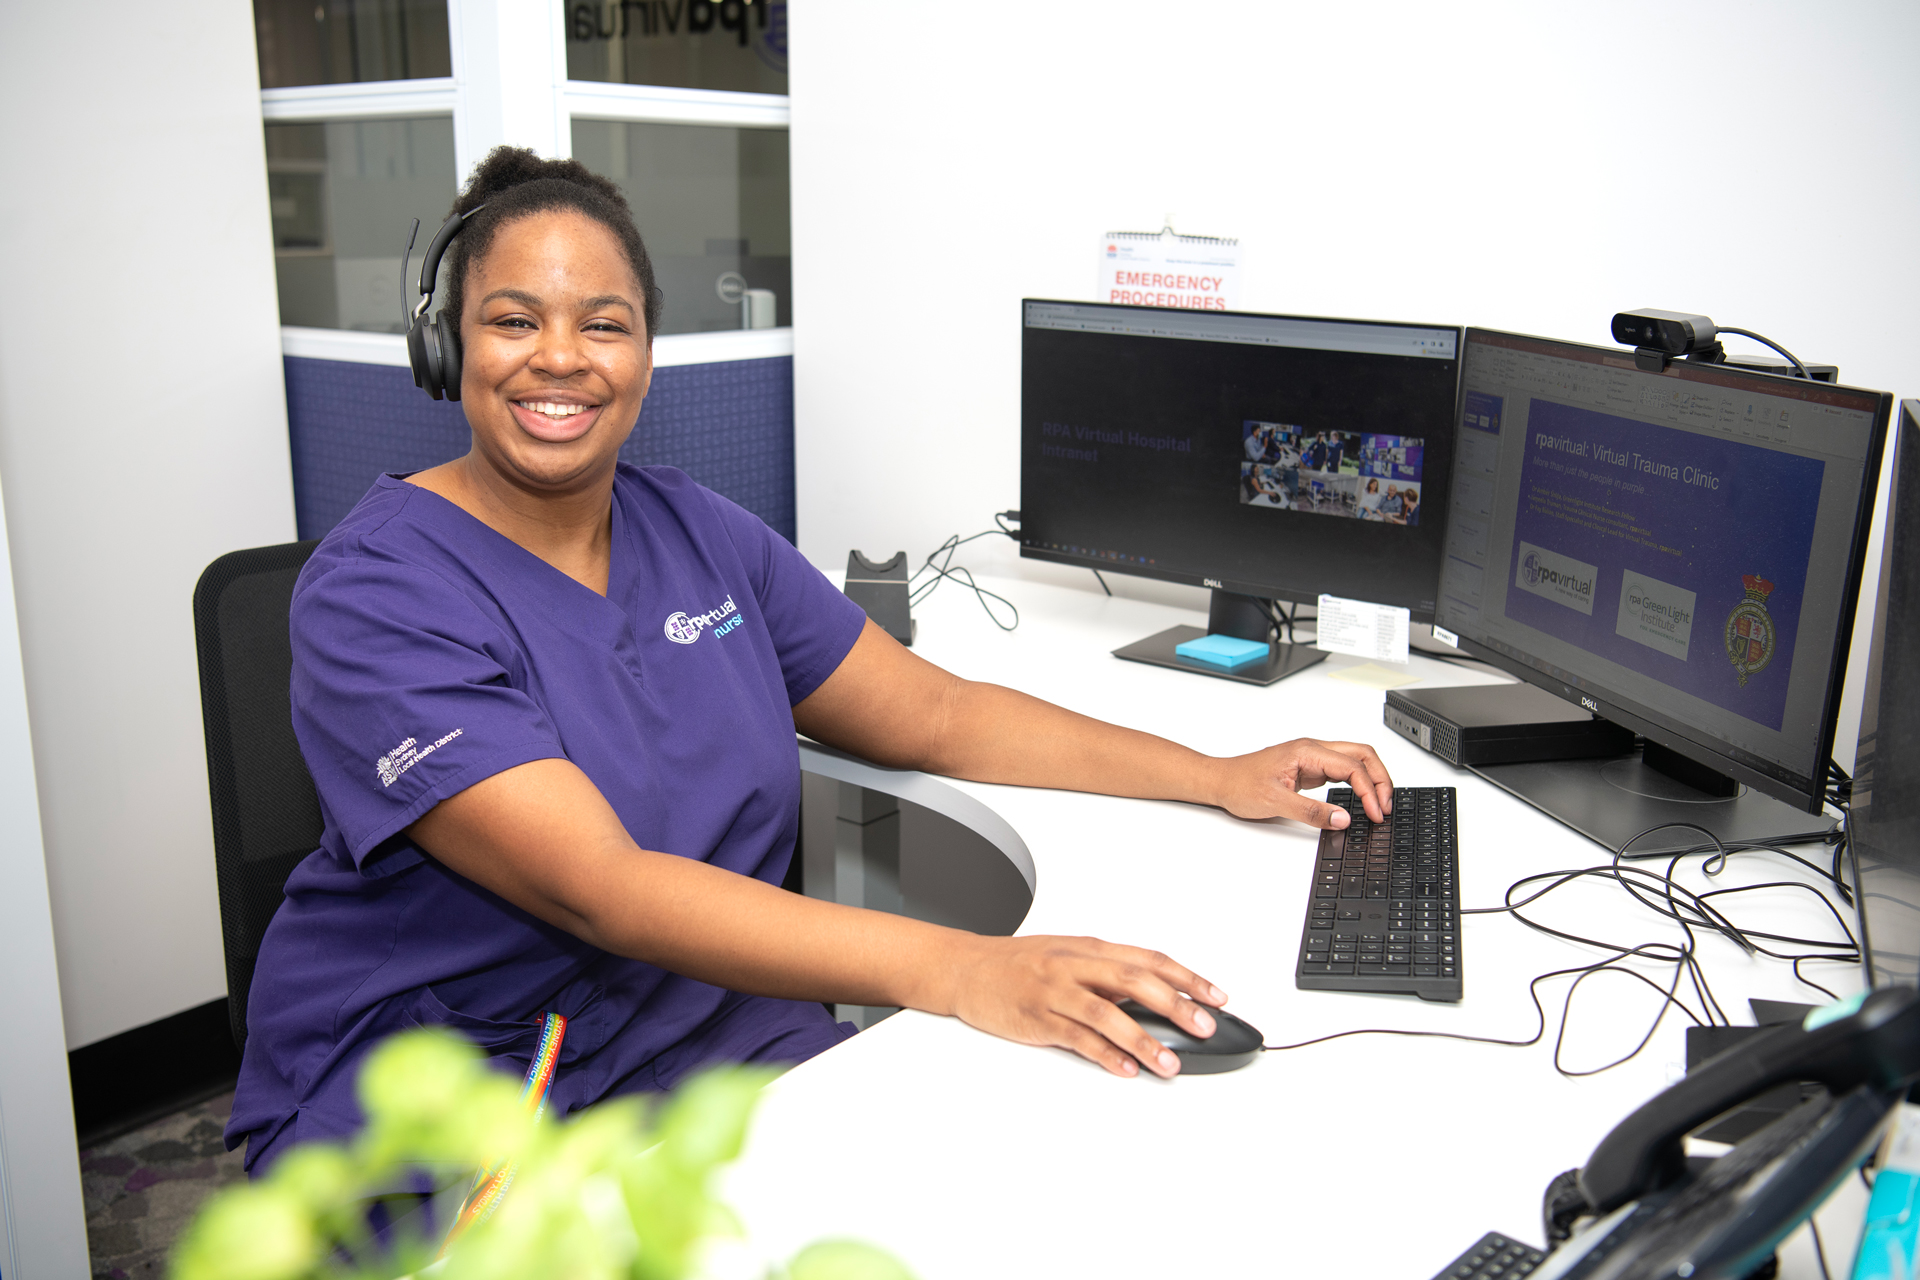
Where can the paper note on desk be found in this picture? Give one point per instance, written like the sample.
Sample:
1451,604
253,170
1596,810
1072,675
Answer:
1362,629
1372,675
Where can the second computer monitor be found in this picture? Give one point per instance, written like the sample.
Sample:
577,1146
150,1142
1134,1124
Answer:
1679,551
1279,457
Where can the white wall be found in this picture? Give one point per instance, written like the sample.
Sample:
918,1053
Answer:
43,1228
142,433
1521,166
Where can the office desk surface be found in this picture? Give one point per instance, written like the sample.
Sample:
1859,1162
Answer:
1368,1156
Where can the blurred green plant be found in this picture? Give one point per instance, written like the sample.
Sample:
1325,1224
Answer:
621,1192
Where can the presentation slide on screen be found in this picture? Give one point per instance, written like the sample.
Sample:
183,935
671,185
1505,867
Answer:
1331,473
1681,556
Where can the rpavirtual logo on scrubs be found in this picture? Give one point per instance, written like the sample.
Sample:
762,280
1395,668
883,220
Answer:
685,628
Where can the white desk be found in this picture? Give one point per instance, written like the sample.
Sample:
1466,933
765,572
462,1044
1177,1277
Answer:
1369,1156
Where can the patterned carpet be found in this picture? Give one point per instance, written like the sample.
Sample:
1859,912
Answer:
143,1188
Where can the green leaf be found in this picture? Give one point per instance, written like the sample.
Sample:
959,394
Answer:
705,1124
846,1260
253,1232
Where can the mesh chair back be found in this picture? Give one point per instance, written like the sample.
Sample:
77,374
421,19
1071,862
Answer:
266,814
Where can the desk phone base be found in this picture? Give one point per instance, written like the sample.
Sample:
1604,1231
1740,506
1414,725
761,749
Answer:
1384,914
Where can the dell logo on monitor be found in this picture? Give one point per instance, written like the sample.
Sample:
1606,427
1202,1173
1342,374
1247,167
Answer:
1214,583
1589,704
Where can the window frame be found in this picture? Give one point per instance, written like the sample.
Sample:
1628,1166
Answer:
509,85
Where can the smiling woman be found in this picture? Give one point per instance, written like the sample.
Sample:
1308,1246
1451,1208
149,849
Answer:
610,663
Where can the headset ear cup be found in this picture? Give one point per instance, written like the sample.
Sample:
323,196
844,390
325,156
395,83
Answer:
449,331
417,351
429,372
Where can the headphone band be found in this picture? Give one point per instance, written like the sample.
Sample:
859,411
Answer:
436,249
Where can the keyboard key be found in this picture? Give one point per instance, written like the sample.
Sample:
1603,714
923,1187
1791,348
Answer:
1384,970
1334,967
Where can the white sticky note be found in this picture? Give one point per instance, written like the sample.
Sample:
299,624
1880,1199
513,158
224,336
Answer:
1362,629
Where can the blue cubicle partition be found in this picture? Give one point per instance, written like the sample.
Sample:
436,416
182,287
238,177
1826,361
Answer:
728,424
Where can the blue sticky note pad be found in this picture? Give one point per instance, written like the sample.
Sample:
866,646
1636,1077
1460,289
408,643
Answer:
1888,1237
1225,652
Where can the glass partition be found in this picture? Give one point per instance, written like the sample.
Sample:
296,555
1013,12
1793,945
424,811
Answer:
304,42
712,204
692,44
343,194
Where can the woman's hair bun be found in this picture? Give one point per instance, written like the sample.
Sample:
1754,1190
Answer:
513,183
507,167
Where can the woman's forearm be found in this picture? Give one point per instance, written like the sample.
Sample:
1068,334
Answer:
542,837
894,708
995,734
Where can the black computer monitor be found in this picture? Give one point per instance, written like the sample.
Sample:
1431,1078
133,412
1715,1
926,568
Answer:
1679,551
1267,457
1883,825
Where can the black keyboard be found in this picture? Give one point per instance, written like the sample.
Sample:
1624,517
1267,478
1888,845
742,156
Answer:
1384,914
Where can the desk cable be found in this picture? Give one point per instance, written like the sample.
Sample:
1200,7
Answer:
944,569
1660,893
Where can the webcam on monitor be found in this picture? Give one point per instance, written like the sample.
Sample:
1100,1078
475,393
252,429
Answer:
1658,337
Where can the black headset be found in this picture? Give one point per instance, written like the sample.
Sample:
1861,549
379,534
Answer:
433,345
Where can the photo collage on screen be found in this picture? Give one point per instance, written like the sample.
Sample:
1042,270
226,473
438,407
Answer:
1331,473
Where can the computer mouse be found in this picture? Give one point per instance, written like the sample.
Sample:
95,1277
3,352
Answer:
1231,1046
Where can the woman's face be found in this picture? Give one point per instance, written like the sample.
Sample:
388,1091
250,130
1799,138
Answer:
556,355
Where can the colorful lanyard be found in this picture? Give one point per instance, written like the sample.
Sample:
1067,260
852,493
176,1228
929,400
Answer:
490,1185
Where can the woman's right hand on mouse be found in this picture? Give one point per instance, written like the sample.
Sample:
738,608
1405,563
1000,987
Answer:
1062,992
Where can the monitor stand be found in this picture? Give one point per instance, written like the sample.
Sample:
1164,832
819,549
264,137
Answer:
1228,614
1610,801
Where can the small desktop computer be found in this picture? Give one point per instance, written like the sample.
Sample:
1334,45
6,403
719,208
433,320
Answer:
1678,552
1883,822
1270,458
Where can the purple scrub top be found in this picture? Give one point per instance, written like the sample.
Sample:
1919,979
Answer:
429,653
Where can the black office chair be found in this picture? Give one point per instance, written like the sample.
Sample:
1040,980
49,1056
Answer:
266,814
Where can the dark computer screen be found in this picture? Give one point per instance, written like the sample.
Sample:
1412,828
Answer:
1680,551
1275,456
1884,825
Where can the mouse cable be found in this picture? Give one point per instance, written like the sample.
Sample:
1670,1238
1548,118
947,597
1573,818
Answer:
943,570
1684,959
1669,999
